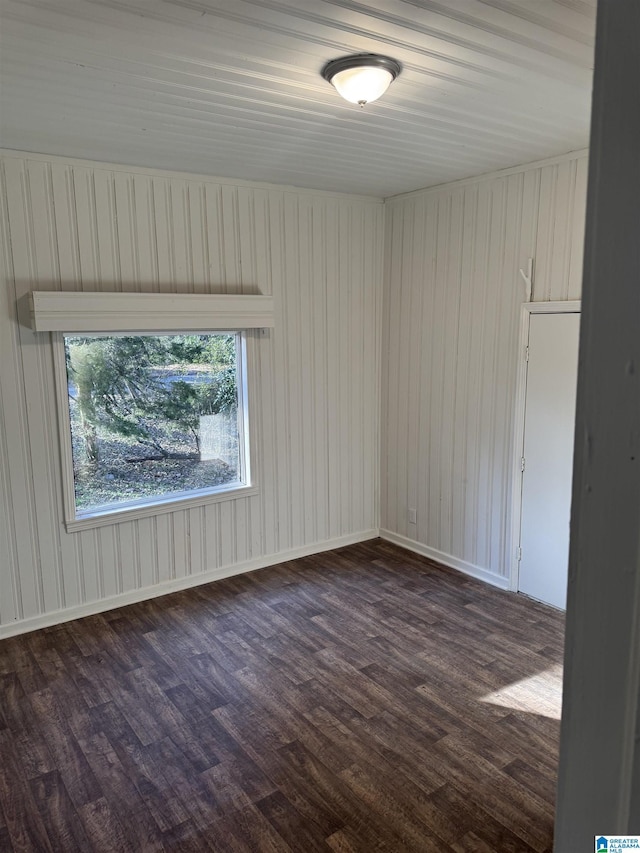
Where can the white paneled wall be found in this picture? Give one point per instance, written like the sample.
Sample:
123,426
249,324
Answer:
72,225
449,361
450,338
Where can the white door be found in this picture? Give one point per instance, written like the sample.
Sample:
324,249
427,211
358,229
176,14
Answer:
549,424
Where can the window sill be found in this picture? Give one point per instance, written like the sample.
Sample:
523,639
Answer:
120,515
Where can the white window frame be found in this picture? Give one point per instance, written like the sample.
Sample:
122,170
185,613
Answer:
111,314
145,507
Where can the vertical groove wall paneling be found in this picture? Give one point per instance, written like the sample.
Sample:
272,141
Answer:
74,225
452,297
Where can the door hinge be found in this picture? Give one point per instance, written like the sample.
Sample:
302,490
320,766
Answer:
522,464
519,554
526,353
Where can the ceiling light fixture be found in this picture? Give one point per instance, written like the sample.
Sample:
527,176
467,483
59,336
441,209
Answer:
362,78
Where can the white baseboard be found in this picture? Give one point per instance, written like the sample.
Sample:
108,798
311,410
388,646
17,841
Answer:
446,559
56,617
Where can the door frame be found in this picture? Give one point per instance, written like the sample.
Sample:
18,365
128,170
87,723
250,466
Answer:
528,308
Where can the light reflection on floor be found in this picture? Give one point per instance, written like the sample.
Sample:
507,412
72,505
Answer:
539,694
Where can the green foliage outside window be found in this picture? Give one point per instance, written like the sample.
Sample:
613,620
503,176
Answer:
140,399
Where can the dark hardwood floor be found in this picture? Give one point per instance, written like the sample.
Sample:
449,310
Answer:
336,702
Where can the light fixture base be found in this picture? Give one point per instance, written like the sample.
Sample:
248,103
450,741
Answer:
360,75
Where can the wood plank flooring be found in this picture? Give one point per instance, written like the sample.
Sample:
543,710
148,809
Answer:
359,700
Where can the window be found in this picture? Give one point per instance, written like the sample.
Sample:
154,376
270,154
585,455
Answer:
152,392
152,419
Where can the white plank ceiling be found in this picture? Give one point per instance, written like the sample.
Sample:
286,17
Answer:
232,88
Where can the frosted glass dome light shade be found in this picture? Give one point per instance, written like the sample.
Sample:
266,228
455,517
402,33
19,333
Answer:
362,85
363,78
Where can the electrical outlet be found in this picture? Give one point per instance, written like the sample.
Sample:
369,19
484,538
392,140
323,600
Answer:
413,518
